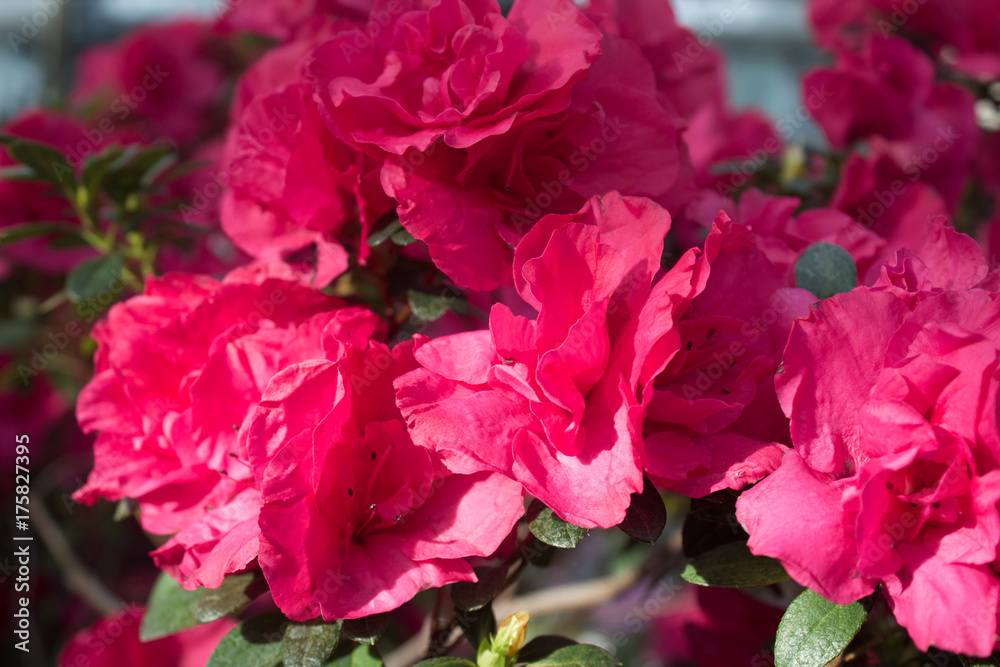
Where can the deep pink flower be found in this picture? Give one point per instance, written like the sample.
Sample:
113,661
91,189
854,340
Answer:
114,640
718,136
689,76
713,420
887,90
356,518
283,19
876,192
780,234
716,627
962,34
553,402
178,371
160,80
893,479
421,70
481,202
293,184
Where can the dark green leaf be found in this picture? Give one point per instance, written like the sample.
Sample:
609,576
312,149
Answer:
365,630
472,595
28,230
733,566
579,655
445,662
384,234
543,647
430,307
93,276
992,661
646,516
256,642
403,237
359,656
236,592
826,269
814,630
170,609
50,164
134,170
96,167
309,645
550,529
477,625
20,172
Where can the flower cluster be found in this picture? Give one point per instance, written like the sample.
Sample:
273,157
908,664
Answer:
630,305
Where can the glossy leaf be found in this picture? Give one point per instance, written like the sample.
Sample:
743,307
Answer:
646,516
814,630
734,566
552,530
169,610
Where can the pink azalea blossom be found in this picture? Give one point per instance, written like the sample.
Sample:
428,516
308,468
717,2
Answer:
554,402
114,640
481,202
887,89
294,185
456,70
179,369
160,80
356,518
893,479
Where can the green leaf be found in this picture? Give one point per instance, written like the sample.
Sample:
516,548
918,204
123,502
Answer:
403,237
360,656
477,625
826,269
365,630
309,645
384,234
256,642
543,647
814,630
552,530
992,661
93,276
472,595
578,655
429,307
96,168
28,230
236,592
20,172
135,170
170,609
50,164
733,566
445,662
646,516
